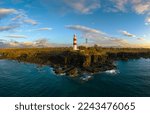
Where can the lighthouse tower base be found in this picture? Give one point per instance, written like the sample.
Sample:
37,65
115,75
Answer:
75,47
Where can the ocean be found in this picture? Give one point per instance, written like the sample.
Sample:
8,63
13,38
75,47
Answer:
130,79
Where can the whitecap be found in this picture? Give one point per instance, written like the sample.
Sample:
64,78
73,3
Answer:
62,74
86,78
113,71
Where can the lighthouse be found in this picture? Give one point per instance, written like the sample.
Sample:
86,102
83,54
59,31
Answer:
75,43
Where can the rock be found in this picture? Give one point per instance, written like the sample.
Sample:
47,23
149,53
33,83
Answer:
58,71
74,63
72,72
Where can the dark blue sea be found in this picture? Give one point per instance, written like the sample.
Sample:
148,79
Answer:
130,79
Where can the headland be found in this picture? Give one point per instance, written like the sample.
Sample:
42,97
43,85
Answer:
66,61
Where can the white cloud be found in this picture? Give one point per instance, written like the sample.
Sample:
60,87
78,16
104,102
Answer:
4,12
119,42
83,6
141,7
141,39
120,4
147,20
45,29
73,6
125,33
40,43
84,29
30,21
98,37
17,17
7,28
22,18
16,36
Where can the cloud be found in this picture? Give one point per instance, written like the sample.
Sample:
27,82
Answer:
40,43
20,16
141,7
30,21
45,29
7,28
83,6
84,29
119,42
4,12
17,19
3,45
16,36
97,36
125,33
73,6
41,29
141,39
147,20
120,4
16,44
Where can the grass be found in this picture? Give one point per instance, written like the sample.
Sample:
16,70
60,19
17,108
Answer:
44,55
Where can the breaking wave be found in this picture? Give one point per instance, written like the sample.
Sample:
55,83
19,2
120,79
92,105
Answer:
113,71
86,78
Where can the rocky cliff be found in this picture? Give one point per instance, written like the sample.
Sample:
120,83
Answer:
75,63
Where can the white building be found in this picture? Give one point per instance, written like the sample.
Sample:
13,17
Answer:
75,43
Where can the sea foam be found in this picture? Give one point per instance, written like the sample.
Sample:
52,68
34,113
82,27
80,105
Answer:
86,78
113,71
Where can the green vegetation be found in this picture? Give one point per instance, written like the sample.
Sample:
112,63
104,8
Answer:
73,63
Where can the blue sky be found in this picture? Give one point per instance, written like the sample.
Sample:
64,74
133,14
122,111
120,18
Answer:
28,23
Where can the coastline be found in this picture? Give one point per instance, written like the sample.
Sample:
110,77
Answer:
74,63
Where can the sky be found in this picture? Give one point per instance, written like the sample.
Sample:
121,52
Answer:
50,23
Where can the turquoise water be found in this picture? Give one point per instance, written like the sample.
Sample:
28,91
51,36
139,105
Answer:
132,78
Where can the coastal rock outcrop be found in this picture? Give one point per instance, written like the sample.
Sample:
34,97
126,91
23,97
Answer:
65,61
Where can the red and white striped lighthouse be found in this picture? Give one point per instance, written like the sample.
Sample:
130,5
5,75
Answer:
75,43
